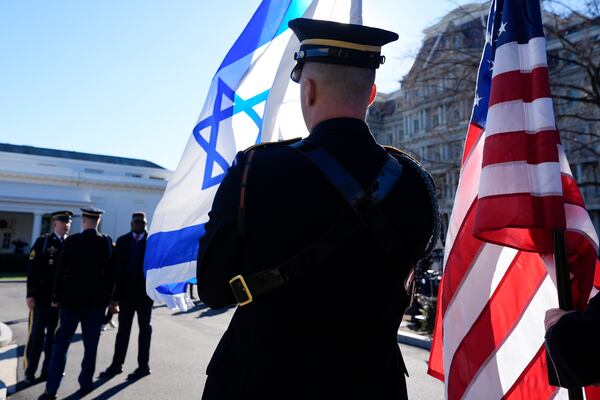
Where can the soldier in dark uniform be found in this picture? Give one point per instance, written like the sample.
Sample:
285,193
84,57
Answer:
130,297
83,287
43,318
315,240
572,346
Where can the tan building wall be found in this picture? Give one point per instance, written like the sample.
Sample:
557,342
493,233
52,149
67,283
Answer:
428,115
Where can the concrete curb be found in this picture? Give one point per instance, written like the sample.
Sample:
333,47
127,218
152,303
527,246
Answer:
6,335
413,339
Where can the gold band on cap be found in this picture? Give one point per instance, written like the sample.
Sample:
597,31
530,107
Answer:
342,44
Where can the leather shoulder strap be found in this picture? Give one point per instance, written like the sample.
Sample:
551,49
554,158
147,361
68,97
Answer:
45,245
364,204
344,182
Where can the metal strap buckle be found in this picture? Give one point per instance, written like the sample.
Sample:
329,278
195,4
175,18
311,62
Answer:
240,290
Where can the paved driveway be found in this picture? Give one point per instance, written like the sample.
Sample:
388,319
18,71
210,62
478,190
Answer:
182,344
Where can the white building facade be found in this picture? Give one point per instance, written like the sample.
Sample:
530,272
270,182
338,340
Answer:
35,182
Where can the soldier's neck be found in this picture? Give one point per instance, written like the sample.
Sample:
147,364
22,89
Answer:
319,115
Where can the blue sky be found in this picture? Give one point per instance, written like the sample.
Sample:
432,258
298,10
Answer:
128,78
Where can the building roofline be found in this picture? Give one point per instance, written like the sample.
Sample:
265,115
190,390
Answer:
458,16
75,155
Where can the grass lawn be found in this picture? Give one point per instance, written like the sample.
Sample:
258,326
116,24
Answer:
12,276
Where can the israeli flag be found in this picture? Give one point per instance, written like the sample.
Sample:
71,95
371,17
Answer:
251,100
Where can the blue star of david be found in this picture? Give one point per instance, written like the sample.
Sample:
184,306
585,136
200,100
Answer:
213,121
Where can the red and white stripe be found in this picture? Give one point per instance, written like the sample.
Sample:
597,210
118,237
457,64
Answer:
493,297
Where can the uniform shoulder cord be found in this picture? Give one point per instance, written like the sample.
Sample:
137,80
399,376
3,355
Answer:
243,186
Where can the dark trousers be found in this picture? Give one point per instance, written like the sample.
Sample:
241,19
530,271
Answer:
42,324
126,311
91,323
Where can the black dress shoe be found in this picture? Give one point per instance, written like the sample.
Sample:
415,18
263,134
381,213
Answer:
138,374
111,371
47,396
29,380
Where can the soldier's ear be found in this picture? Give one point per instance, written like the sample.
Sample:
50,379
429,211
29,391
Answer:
373,94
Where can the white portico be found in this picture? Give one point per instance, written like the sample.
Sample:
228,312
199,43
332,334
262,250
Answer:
35,182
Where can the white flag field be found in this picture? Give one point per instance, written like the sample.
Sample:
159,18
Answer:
251,100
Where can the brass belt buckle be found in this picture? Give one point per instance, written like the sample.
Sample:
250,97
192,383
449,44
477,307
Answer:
240,290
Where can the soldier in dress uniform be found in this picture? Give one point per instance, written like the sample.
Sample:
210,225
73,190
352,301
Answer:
40,280
315,240
82,290
572,345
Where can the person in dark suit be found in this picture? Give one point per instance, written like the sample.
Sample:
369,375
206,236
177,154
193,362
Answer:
130,297
315,240
82,289
573,347
43,318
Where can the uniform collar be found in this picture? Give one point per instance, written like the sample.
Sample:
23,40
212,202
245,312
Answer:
349,127
138,236
58,236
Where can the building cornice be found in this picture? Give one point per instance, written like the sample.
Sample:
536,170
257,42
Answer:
83,179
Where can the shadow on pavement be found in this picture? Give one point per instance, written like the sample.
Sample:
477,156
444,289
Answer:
96,385
212,313
11,354
113,390
76,337
197,307
16,321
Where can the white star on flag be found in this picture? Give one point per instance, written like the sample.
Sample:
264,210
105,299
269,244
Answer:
502,28
477,99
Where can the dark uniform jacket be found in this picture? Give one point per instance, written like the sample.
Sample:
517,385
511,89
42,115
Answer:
573,345
43,261
332,333
85,277
129,263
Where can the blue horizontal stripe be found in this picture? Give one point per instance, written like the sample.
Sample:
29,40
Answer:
269,21
175,288
172,248
261,29
297,9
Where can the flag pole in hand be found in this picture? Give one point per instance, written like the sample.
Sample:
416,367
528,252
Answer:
563,286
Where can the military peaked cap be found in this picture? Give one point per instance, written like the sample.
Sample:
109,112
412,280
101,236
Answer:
336,43
64,216
139,214
92,212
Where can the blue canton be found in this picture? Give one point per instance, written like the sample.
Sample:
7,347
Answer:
509,21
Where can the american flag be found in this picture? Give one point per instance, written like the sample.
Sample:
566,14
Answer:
515,187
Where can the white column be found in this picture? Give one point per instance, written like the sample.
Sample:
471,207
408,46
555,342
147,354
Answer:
37,227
